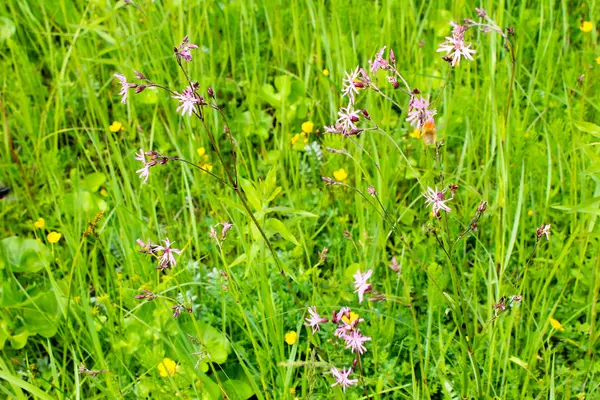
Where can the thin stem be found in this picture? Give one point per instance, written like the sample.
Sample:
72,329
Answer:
204,170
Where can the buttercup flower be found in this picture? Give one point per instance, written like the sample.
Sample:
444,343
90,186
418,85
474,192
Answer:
435,198
40,223
360,284
341,378
183,50
340,174
455,46
54,237
167,367
326,72
115,127
307,126
314,320
586,26
290,337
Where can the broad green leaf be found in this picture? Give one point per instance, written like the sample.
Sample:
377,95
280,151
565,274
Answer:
93,181
276,226
24,255
237,389
588,127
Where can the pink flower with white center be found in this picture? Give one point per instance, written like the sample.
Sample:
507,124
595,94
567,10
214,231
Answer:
187,101
360,284
351,83
455,46
379,61
341,378
348,118
167,260
354,341
125,86
543,230
315,319
419,112
183,50
435,199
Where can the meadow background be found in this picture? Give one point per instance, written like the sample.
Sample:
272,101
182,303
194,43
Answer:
274,67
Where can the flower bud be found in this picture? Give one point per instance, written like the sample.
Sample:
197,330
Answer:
211,92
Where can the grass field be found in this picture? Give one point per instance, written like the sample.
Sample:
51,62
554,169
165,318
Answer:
472,303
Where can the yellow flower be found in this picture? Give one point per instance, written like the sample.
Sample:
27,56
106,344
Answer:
353,317
54,237
530,213
598,60
115,127
556,324
103,192
208,167
290,337
167,367
340,174
40,223
308,127
586,26
299,136
415,134
201,151
326,72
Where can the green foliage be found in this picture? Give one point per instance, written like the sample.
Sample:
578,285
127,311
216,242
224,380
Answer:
436,333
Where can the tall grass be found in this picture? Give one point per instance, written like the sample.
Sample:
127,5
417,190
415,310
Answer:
74,303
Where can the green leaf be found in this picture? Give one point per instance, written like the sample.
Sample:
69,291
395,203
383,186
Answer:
251,193
237,389
24,255
588,127
276,226
7,29
19,340
93,181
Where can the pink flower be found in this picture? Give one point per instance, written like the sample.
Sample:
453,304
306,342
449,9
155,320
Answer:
360,284
419,112
125,86
347,119
379,61
315,319
435,198
351,83
167,260
455,46
354,341
183,50
187,101
543,230
146,295
341,378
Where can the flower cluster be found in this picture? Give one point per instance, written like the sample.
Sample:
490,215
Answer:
347,329
219,239
419,111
